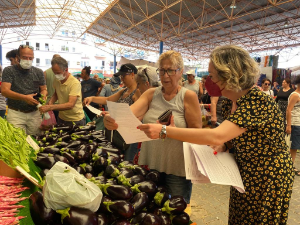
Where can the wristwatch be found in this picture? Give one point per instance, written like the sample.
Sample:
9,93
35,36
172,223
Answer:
163,132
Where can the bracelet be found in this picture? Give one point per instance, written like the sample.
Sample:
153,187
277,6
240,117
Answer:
163,132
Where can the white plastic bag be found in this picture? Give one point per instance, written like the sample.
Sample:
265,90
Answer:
65,187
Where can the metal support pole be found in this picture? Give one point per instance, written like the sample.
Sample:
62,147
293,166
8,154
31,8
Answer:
161,47
115,63
0,54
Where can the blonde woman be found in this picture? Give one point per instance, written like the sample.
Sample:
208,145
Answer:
254,127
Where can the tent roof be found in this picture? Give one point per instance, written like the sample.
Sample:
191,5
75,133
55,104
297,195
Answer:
193,27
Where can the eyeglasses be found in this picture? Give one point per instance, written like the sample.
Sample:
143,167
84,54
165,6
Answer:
267,84
26,46
162,72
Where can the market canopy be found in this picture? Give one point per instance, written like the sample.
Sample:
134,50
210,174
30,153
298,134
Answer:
193,27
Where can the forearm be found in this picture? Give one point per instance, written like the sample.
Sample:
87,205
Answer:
53,99
44,93
196,136
13,95
62,107
99,100
288,117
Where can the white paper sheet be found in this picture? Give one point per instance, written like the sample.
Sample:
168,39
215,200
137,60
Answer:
127,122
220,168
94,110
191,170
32,143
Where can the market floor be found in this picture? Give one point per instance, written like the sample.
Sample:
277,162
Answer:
210,202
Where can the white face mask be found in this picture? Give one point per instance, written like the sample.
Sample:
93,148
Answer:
25,64
59,76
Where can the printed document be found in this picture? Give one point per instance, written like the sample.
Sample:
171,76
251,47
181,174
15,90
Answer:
127,122
94,110
202,166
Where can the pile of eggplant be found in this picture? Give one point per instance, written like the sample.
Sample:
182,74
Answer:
132,195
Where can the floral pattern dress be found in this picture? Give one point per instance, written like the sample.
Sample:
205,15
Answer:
263,159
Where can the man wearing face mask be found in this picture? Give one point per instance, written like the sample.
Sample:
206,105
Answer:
20,83
67,93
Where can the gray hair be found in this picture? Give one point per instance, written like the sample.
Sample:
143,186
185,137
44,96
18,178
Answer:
61,62
148,73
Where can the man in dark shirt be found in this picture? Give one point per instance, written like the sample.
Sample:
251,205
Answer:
12,57
20,83
89,87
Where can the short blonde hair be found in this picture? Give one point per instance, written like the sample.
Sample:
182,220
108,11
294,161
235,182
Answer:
235,67
174,57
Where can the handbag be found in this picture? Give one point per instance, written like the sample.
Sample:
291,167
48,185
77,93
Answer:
288,140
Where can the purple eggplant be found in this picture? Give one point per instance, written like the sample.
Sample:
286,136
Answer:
129,182
121,208
126,172
61,144
102,207
161,197
138,170
126,164
79,133
102,219
162,188
151,219
81,156
44,172
51,150
113,160
121,222
140,201
41,154
78,216
45,162
99,164
112,171
65,138
59,158
86,167
180,219
146,186
174,205
117,192
69,157
165,219
74,144
112,181
79,169
100,152
138,219
62,128
112,150
154,176
101,179
40,214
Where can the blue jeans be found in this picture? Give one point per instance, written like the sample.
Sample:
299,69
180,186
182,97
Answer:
2,113
177,185
131,152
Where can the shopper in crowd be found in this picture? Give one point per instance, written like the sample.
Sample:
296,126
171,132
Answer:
96,77
192,84
2,99
12,57
166,155
49,77
293,121
266,85
282,98
107,81
254,128
275,88
111,88
67,93
205,98
20,83
216,109
146,78
128,95
89,87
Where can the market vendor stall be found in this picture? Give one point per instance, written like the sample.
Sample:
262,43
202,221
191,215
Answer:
119,192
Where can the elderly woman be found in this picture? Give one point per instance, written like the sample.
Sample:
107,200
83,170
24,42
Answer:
293,121
254,127
166,155
111,88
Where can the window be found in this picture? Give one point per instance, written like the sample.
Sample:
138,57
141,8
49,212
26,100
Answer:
73,33
63,48
111,64
27,43
37,60
73,49
66,33
78,63
103,63
67,48
48,61
37,45
46,46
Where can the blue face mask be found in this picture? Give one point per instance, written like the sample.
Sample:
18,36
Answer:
212,88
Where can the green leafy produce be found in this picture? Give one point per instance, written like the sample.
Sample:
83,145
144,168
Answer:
14,149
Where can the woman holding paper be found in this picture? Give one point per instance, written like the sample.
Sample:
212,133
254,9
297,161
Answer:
254,126
166,156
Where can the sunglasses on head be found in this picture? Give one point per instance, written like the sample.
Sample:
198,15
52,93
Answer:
26,46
